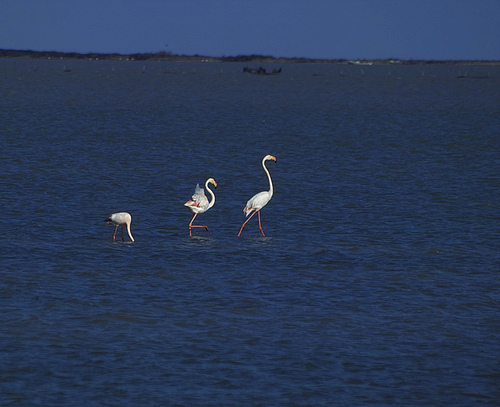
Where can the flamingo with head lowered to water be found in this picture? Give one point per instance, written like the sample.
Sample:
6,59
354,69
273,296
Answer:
258,201
199,202
121,219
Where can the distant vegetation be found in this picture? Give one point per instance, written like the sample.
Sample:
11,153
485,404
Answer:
167,56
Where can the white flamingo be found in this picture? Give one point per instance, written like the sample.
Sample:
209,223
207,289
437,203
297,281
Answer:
199,202
258,201
121,219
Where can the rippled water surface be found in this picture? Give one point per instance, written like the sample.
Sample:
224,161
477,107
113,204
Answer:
377,281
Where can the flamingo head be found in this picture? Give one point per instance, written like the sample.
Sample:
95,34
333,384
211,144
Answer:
270,157
212,181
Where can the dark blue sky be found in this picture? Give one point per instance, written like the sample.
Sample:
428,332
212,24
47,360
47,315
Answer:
406,29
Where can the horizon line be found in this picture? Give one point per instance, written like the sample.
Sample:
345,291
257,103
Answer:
166,55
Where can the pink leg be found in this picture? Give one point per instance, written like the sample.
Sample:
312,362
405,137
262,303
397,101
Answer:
260,227
195,226
114,234
242,226
190,223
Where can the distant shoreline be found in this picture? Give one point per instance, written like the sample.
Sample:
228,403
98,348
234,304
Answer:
169,57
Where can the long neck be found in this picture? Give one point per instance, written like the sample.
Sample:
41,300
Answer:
212,202
268,177
129,232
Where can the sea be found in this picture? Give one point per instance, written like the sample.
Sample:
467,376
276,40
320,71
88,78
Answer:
377,281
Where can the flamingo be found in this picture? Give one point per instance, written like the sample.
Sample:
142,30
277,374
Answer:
199,202
258,201
121,219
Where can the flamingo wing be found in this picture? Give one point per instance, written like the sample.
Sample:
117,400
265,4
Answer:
257,202
199,199
120,218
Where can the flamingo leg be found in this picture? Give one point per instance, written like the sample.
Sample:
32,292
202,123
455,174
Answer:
260,227
242,226
191,223
123,239
195,226
114,234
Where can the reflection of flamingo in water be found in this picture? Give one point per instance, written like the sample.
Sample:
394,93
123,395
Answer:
120,219
258,201
199,202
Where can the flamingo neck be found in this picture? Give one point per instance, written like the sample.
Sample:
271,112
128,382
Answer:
212,202
129,232
268,177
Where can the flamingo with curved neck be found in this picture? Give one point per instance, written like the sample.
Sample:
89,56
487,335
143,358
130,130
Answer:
121,219
199,202
258,201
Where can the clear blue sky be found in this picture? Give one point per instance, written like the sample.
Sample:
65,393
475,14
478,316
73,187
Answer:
406,29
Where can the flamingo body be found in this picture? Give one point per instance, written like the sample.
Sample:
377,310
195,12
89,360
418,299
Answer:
258,201
121,219
199,202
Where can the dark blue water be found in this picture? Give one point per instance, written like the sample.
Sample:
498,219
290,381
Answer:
377,281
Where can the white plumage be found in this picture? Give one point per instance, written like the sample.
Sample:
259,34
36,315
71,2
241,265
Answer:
199,202
258,201
121,219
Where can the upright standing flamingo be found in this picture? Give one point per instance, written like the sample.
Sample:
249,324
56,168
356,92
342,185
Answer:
258,201
121,219
199,202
